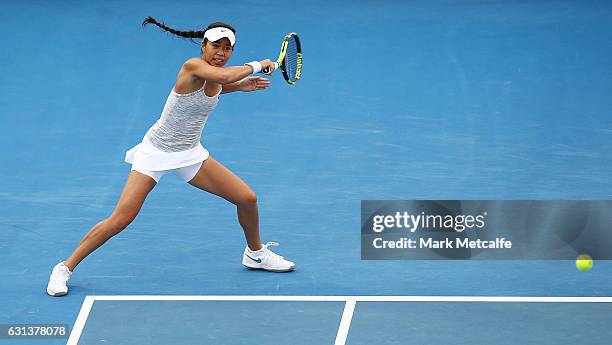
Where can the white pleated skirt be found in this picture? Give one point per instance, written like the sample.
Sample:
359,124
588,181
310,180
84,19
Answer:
145,156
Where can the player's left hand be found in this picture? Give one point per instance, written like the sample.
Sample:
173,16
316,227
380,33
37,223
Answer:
254,83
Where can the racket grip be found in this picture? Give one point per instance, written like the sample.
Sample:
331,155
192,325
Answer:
266,70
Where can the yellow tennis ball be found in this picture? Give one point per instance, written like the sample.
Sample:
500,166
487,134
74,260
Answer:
584,262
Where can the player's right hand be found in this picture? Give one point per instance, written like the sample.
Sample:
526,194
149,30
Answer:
267,66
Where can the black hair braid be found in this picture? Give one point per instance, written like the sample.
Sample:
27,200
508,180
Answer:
187,34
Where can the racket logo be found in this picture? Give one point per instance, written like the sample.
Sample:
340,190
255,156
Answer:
298,70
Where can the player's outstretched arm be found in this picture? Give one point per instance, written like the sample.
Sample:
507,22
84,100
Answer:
252,83
223,75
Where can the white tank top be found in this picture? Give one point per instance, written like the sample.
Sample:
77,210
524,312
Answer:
180,125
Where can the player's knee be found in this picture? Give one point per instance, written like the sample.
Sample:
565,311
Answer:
248,199
118,222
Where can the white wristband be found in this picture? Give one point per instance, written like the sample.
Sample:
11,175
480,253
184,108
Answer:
256,65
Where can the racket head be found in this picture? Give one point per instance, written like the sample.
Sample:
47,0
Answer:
290,60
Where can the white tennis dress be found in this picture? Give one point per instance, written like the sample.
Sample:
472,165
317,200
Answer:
174,140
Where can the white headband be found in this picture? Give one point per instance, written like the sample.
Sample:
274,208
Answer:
218,33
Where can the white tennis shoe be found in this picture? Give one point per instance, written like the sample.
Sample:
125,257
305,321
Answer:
266,259
58,279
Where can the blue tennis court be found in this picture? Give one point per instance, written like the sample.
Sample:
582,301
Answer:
466,100
342,320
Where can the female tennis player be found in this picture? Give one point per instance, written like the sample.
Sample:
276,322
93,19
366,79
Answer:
173,144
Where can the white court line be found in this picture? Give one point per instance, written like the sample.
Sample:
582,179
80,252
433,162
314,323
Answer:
349,307
357,298
79,324
345,323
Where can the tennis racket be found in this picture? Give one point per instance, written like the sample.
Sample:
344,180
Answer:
290,58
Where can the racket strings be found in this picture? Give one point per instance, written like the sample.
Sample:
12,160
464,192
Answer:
291,59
